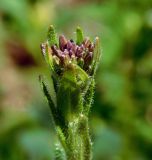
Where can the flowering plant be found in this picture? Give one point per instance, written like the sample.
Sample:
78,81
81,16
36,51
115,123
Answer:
72,68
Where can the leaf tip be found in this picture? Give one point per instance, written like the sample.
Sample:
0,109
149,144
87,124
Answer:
52,39
79,34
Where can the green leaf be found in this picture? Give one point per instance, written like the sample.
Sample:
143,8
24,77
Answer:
50,88
61,137
52,106
59,153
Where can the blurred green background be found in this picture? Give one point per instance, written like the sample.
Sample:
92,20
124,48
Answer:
121,116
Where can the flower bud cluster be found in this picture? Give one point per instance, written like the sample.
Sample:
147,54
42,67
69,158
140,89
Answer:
66,52
69,52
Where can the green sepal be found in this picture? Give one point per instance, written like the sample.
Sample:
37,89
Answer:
88,97
81,75
79,36
96,56
52,37
49,58
80,63
70,91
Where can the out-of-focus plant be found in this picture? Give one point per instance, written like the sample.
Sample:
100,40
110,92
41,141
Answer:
72,68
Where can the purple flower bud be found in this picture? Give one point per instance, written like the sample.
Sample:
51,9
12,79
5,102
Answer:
91,48
66,52
79,52
74,48
87,42
69,45
82,47
71,53
54,50
62,58
62,42
88,58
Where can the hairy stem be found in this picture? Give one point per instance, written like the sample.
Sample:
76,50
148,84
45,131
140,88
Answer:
85,137
78,140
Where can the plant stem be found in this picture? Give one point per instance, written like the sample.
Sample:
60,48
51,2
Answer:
78,140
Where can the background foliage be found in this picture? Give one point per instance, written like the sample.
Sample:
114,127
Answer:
121,117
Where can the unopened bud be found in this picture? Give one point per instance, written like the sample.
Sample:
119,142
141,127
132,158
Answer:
88,58
87,42
69,45
62,42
